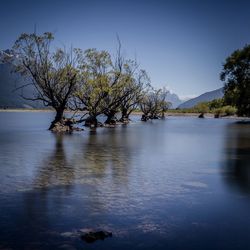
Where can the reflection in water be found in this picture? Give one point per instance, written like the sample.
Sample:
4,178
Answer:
100,163
237,150
108,154
55,168
155,186
92,160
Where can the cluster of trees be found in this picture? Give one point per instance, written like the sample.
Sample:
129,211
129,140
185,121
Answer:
91,81
154,104
218,107
236,76
96,83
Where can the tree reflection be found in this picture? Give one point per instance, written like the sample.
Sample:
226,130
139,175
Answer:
237,151
107,155
55,169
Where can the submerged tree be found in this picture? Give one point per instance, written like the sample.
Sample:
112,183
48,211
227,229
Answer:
137,84
90,81
100,87
128,91
52,74
164,105
93,87
119,79
108,85
236,76
154,104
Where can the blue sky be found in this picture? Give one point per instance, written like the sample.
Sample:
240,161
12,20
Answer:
181,44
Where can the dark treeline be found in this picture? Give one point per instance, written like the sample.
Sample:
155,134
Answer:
236,78
91,81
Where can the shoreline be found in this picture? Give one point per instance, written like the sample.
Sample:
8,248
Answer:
25,110
172,113
167,114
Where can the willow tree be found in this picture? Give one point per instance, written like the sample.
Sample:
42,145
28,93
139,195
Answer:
137,84
145,106
128,83
52,73
117,80
154,104
164,105
94,84
112,101
103,84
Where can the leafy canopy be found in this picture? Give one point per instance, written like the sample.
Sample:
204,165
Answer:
236,76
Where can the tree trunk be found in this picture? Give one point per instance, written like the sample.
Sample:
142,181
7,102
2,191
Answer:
91,121
111,118
144,117
124,113
201,115
125,116
58,117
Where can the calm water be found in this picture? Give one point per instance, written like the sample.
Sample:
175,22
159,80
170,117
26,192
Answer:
181,183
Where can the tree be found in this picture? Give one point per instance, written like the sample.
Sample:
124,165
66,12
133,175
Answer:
154,104
125,95
101,82
236,77
164,105
145,106
52,74
202,108
216,103
118,79
93,87
137,84
108,85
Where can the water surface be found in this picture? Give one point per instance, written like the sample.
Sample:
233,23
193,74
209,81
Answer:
181,183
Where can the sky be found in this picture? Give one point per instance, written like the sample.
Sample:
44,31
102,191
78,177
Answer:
182,44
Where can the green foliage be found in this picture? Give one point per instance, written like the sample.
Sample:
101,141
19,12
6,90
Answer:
95,69
230,110
90,80
216,107
108,85
225,111
51,73
202,107
236,77
216,103
154,103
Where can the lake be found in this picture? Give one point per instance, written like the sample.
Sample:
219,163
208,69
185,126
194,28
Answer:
178,183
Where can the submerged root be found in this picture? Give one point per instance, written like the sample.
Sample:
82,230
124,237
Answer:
64,126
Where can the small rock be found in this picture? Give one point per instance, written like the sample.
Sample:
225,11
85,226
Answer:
91,237
144,118
201,115
77,129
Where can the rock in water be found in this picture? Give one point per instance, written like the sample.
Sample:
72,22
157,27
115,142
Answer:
65,125
91,237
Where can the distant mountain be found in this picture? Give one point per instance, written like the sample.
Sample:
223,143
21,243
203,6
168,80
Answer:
9,96
174,99
206,97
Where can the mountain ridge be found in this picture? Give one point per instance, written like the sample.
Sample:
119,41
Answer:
205,97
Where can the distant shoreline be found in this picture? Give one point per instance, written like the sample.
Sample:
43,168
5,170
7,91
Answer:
26,110
167,114
171,113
